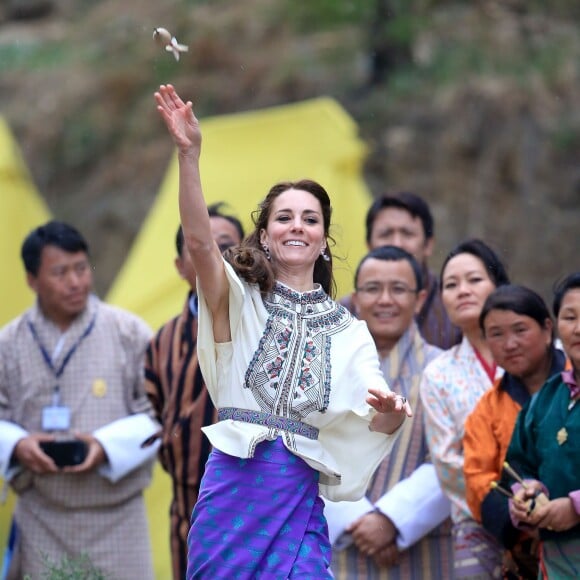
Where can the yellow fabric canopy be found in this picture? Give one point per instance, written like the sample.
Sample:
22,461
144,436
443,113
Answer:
21,209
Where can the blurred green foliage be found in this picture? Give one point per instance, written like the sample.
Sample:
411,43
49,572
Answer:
325,14
566,138
357,30
34,56
405,20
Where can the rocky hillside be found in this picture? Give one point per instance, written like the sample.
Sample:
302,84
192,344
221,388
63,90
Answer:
480,115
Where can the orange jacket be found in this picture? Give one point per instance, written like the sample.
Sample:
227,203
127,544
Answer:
488,432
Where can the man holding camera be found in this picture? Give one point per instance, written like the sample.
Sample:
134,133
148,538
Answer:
73,413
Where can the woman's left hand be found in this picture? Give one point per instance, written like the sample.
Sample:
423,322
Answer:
391,410
558,515
95,455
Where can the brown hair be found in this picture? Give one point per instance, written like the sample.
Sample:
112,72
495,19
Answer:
249,260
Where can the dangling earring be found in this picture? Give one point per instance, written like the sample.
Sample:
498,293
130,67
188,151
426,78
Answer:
325,256
266,251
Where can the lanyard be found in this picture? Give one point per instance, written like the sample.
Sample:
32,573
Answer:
47,358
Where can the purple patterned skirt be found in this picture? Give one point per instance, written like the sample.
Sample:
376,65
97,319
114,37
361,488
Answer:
258,518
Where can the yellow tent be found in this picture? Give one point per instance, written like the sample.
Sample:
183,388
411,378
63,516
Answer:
243,155
22,210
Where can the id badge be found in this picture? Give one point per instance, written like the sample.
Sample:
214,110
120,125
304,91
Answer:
55,418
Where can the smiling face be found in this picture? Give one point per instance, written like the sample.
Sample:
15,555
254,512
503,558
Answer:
517,342
63,284
295,232
386,298
465,287
569,326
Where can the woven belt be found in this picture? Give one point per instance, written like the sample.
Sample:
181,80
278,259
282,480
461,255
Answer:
268,420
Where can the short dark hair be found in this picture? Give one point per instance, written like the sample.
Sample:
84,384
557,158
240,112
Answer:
406,200
53,233
392,254
485,254
518,299
214,210
570,282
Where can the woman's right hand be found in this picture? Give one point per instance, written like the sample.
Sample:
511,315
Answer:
181,122
520,506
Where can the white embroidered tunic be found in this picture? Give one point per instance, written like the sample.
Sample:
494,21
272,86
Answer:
298,366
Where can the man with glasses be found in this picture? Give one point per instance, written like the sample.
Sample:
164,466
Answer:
401,528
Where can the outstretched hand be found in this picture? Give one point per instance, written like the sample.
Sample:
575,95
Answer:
392,410
181,122
388,402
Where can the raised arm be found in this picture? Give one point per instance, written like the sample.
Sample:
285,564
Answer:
205,255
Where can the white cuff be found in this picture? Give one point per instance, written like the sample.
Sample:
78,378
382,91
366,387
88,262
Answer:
415,505
11,434
122,440
340,514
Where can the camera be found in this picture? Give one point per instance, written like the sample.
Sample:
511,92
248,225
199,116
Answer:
65,453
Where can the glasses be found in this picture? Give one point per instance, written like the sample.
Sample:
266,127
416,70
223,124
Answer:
396,290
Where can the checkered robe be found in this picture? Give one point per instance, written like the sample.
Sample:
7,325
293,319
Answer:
182,405
74,514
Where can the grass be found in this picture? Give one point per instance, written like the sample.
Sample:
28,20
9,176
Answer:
80,568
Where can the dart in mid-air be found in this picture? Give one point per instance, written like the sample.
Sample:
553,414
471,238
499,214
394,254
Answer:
164,38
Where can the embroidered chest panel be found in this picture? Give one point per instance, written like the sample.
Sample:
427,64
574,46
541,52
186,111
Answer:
290,372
